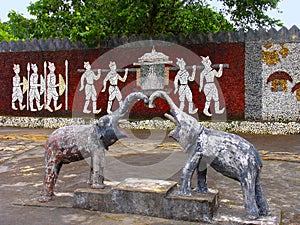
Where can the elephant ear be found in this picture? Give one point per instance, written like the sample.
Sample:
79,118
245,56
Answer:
100,129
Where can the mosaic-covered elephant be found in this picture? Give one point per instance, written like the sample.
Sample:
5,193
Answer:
227,153
73,143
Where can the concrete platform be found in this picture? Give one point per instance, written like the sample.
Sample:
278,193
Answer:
156,198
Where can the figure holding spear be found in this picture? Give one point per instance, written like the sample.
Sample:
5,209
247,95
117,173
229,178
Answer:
34,93
51,89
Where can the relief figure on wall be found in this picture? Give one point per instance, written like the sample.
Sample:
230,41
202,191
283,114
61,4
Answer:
184,91
17,93
210,89
113,91
90,91
34,93
51,89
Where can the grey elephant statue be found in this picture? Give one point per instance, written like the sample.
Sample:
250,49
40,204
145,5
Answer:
74,143
227,153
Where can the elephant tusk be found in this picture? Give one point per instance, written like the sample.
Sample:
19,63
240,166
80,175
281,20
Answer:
151,105
123,121
168,116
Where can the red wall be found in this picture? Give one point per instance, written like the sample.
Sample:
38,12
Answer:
231,83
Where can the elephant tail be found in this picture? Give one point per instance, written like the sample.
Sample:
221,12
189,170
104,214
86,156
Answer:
257,157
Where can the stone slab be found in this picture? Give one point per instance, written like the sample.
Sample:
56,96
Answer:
157,198
146,185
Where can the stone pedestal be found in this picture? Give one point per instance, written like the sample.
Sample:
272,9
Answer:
157,198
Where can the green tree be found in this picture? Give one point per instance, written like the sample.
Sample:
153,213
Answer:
4,33
91,20
76,19
247,14
154,17
19,26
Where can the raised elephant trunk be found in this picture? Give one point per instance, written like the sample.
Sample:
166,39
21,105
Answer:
229,154
127,102
177,115
173,108
183,121
75,143
164,95
107,126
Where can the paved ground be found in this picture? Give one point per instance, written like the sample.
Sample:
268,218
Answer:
146,154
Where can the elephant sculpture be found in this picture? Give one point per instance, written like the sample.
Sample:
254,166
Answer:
227,153
73,143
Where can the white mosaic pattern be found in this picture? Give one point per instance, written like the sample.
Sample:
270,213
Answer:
281,104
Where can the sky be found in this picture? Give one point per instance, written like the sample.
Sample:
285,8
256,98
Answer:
289,17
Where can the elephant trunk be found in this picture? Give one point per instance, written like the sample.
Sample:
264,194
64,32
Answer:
164,95
177,116
127,102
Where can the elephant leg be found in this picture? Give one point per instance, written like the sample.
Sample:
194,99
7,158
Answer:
89,181
58,167
52,169
248,189
262,204
98,169
187,173
201,177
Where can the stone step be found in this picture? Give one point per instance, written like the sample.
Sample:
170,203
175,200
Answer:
157,198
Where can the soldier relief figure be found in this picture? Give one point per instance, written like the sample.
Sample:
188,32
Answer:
34,93
17,91
51,89
114,91
90,91
184,91
210,88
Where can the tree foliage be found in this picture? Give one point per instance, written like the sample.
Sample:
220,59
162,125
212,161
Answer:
19,26
91,20
4,35
247,14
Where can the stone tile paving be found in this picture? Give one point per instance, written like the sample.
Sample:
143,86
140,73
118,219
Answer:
21,174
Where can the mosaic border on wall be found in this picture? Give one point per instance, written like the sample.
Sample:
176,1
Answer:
253,82
249,127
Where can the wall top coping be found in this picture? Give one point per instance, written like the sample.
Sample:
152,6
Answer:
272,35
40,45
